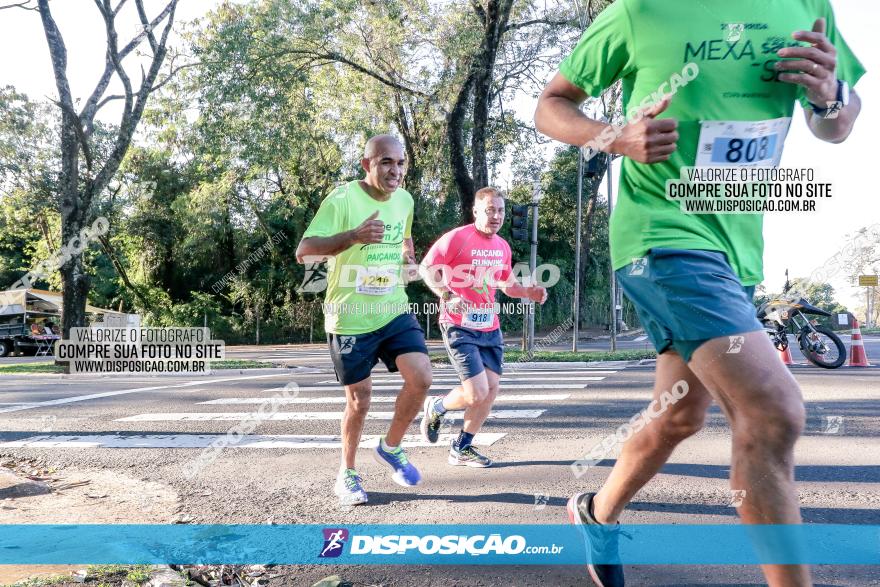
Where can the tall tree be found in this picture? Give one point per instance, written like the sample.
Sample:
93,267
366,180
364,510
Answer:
86,170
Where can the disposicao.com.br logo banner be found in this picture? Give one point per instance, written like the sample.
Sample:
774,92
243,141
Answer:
508,544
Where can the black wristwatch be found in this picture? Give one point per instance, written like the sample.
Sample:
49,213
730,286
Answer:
834,108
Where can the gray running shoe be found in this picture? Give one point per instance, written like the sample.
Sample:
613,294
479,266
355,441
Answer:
432,421
468,457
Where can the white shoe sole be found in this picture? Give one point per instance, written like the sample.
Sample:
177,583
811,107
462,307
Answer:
423,425
346,498
457,463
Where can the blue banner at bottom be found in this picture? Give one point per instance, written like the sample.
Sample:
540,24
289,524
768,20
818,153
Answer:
439,544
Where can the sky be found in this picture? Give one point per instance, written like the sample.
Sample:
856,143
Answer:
800,242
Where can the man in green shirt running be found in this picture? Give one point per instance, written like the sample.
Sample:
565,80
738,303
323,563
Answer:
714,85
363,230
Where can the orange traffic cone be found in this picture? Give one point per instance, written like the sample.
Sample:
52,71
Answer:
857,356
786,356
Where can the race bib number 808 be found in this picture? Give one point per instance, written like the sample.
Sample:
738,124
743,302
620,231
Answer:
758,143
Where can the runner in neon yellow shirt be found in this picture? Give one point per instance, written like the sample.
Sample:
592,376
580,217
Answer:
736,70
363,228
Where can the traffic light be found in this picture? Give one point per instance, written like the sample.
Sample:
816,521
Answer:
519,219
594,165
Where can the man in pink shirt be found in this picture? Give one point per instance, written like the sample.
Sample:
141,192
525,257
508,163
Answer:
464,268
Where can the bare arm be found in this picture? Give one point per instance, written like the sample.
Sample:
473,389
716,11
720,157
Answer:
558,114
317,248
409,252
434,278
815,69
559,117
536,293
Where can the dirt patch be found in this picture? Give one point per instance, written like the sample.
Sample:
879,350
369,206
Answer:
85,497
11,574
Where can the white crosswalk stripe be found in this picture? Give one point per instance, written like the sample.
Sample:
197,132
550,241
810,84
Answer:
281,416
206,440
436,387
376,399
504,380
537,387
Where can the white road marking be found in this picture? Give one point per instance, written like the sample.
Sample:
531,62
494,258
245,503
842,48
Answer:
503,380
82,398
206,440
285,416
640,338
435,387
376,399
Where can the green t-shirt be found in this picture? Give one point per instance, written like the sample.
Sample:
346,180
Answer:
365,288
734,44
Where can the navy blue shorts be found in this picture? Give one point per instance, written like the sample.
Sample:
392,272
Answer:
473,351
355,355
685,297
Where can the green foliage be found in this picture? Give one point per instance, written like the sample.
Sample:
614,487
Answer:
238,151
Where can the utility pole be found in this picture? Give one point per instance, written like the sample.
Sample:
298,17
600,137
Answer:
613,278
576,308
533,262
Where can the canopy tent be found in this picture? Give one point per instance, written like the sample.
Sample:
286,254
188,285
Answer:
16,302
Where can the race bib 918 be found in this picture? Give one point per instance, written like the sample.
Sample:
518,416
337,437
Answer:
478,319
736,142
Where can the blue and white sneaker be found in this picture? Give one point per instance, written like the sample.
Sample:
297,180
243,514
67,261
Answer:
404,472
348,488
601,540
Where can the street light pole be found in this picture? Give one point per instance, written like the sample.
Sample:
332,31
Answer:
533,262
613,279
576,308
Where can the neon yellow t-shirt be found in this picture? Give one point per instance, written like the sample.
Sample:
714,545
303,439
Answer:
365,289
733,44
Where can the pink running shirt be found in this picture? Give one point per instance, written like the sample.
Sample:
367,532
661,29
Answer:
473,265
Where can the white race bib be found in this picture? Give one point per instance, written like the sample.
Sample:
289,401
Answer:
726,142
478,319
376,281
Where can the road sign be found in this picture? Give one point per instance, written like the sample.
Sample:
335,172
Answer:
868,280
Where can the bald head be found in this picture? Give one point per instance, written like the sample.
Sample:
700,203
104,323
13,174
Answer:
385,163
379,144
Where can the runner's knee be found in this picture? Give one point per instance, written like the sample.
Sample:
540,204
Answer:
772,425
475,394
684,420
420,380
359,397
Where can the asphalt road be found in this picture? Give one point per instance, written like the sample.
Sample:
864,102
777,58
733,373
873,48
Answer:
122,449
316,354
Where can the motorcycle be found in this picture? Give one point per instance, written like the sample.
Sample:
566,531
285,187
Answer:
820,345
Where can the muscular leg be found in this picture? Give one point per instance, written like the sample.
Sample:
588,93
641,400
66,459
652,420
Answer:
475,396
647,451
765,408
357,404
478,410
415,368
